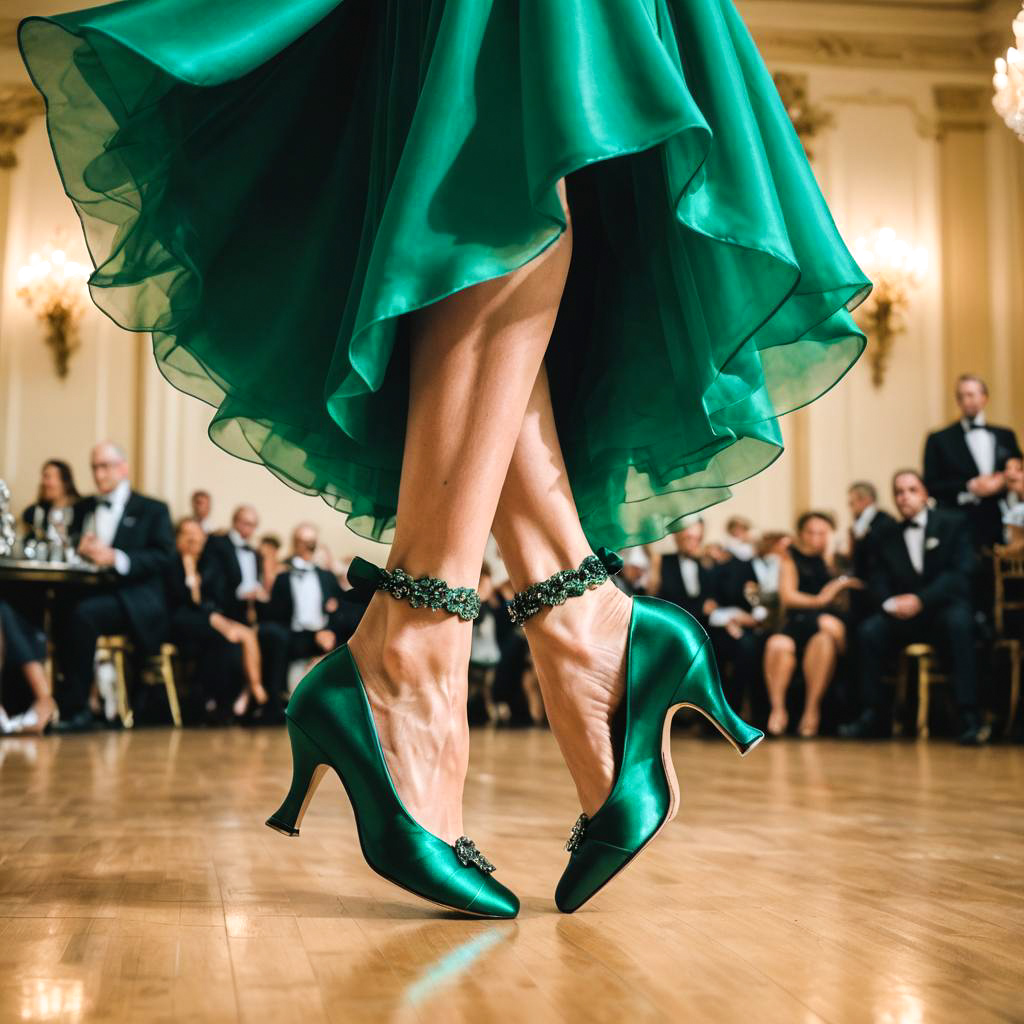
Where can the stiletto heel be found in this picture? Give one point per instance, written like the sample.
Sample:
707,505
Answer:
330,724
309,764
701,689
664,642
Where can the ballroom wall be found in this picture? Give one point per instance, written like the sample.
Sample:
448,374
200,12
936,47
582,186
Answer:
912,143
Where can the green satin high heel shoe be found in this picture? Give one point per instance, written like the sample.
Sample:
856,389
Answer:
669,665
330,725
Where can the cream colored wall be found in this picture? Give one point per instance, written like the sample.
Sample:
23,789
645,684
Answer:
886,159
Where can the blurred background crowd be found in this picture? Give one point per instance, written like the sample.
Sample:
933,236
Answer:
840,625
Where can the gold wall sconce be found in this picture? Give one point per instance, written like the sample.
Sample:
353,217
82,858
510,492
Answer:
1009,82
54,288
896,268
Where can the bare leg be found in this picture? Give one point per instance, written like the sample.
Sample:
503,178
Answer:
474,360
253,668
779,666
819,665
579,647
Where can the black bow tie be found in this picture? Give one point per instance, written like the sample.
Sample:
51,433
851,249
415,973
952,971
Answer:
302,568
973,425
104,503
912,524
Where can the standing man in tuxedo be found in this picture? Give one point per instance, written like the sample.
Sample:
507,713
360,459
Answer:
123,531
309,601
245,599
682,577
964,463
920,580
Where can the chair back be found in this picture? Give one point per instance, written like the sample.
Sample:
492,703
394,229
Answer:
1009,579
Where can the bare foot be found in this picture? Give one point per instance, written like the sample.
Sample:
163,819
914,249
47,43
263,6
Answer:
579,650
778,721
414,664
809,724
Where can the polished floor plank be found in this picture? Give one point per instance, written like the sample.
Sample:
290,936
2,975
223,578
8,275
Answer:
818,883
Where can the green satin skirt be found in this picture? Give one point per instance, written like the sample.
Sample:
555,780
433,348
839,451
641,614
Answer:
269,186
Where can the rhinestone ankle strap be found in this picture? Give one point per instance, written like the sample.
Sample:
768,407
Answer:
566,583
425,592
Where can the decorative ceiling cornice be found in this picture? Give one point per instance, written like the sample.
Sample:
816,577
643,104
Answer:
18,105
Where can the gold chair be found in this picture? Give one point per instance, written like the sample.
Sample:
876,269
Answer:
928,674
116,650
159,670
1009,570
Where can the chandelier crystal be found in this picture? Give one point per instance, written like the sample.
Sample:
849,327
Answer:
1009,82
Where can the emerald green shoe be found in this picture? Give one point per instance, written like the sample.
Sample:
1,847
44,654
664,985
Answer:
669,664
330,725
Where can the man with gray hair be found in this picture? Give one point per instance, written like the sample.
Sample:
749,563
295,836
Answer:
123,531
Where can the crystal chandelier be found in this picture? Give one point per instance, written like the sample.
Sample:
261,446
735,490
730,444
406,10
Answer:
1009,82
896,268
54,286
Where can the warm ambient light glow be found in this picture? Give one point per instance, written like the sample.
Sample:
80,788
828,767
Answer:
54,287
897,268
1009,82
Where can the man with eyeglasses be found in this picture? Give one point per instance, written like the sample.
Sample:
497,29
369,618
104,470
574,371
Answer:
130,534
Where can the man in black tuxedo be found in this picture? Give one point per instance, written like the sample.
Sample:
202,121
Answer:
309,601
736,628
245,600
920,579
964,463
684,579
868,521
130,534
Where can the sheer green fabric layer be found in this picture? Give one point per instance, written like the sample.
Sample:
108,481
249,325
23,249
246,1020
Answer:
269,187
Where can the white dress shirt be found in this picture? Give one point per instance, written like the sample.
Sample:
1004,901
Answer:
863,522
307,597
982,445
741,549
913,537
247,565
690,570
107,518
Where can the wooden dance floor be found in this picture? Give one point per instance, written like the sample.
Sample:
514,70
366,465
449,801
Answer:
810,882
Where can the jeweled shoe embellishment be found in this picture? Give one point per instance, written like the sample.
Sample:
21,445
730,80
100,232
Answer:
579,831
469,855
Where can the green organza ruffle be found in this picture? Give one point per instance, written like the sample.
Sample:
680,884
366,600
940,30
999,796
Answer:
268,187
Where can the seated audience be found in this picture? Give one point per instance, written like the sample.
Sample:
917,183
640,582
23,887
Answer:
129,534
737,630
921,584
246,597
1012,507
226,652
683,578
868,519
636,564
23,647
50,517
813,633
307,600
485,655
270,566
964,463
202,507
739,538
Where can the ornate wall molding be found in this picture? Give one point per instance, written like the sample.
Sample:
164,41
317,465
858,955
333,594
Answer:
963,108
925,124
18,105
884,50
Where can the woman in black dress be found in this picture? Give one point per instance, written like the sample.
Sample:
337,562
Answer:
813,633
227,652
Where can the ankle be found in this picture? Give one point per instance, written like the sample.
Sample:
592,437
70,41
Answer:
573,626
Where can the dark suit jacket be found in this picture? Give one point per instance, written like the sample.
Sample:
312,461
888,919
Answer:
862,547
282,607
144,534
673,589
180,605
948,465
949,562
219,558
